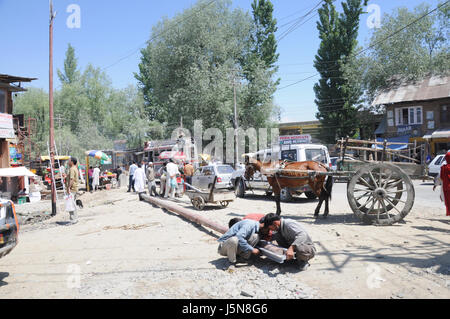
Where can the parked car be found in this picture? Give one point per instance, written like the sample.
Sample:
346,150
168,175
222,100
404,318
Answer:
295,153
435,166
204,177
9,227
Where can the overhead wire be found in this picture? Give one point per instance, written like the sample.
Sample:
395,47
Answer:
374,44
154,37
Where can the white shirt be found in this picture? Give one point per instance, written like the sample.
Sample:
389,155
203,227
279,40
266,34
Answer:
172,169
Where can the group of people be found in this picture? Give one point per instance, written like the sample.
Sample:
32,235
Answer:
244,235
143,174
140,175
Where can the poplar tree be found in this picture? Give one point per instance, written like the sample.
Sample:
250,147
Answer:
337,99
71,73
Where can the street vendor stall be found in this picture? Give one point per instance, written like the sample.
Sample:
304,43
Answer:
14,189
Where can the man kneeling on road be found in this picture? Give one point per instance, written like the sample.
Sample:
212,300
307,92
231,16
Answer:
290,234
240,240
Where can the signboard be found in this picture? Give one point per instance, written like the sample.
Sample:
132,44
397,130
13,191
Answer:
407,129
295,139
6,126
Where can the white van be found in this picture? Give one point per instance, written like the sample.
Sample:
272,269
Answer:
295,153
306,153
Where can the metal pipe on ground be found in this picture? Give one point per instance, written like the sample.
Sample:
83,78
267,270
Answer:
172,207
267,249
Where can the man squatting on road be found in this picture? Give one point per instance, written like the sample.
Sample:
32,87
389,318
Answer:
287,234
290,234
240,240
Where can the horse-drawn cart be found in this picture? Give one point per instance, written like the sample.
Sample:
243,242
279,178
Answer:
379,191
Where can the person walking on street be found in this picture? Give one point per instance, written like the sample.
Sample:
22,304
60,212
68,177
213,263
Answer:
444,180
163,179
90,172
290,234
151,180
171,181
118,173
133,168
188,172
139,180
96,178
72,187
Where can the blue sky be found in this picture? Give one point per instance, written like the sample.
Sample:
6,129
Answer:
112,30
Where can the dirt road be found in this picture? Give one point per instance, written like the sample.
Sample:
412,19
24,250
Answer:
123,248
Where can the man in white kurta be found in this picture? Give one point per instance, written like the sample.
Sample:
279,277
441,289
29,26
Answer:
96,178
172,172
140,180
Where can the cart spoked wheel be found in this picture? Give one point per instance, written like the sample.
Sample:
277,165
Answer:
381,194
199,203
224,204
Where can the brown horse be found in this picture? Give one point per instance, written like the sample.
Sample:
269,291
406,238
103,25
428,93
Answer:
282,175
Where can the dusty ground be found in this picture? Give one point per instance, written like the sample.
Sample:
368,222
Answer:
123,248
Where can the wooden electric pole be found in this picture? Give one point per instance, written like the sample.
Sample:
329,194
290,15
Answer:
50,90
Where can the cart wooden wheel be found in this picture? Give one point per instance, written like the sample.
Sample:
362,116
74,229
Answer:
224,204
381,194
199,203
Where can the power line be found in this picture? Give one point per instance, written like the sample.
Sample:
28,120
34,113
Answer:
378,42
158,35
298,22
296,12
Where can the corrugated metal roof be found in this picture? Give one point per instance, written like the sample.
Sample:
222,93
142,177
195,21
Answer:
430,88
11,78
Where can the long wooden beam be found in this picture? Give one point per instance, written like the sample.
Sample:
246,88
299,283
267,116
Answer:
174,208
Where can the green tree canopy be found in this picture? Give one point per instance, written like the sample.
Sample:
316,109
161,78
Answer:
409,45
188,68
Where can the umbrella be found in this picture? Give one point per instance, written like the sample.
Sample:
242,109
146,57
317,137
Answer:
173,155
98,155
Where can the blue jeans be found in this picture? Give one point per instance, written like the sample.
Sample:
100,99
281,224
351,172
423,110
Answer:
131,183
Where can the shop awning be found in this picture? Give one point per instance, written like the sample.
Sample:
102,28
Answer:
57,158
382,127
398,139
15,172
443,133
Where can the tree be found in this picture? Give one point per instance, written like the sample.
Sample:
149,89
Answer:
188,68
71,74
337,99
409,45
89,113
264,42
259,68
34,104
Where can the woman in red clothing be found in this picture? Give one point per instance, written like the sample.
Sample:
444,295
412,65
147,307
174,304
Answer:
445,179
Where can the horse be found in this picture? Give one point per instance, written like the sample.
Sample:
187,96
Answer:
282,174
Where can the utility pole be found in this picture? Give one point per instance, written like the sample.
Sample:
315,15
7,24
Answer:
50,90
